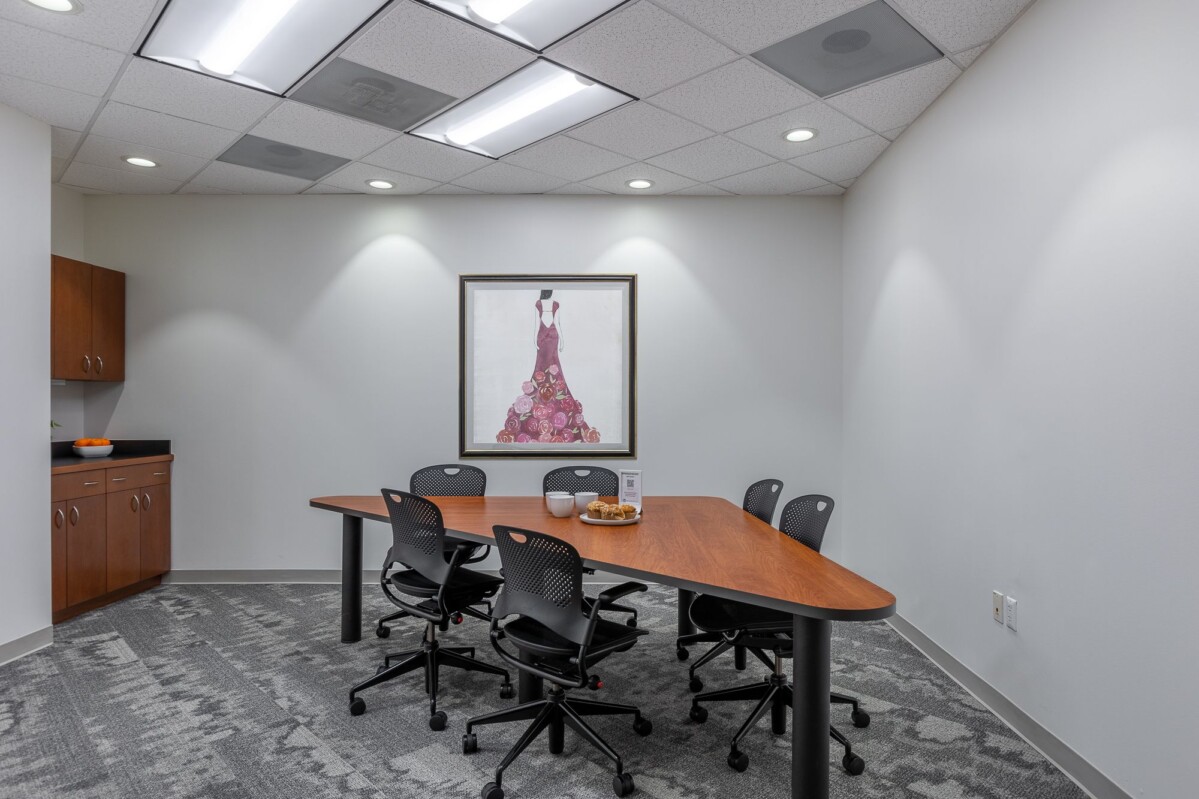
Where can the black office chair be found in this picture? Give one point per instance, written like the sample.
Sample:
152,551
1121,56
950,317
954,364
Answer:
444,480
761,629
443,590
604,482
557,640
760,500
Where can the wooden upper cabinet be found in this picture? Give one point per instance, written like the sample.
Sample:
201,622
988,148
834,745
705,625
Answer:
87,321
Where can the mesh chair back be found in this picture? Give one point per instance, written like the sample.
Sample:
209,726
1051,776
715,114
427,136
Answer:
582,478
543,579
449,480
804,519
761,499
417,534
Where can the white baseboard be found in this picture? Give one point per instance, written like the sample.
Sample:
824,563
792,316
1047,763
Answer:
1073,765
26,644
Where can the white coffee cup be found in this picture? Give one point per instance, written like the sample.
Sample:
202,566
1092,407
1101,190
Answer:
560,503
583,499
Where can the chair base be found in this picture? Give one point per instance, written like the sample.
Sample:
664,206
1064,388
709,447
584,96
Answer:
432,657
554,713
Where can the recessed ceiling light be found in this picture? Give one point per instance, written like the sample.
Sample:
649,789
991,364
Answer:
265,44
380,184
639,183
527,106
800,134
58,6
535,24
139,161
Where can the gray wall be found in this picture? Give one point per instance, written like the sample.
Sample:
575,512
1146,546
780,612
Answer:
1021,288
25,360
293,347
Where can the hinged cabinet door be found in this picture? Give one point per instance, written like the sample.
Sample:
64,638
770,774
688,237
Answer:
87,558
156,530
108,324
124,544
70,319
58,556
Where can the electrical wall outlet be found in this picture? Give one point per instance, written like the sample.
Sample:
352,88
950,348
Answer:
997,607
1009,612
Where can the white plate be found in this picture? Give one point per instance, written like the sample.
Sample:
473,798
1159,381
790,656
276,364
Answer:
585,519
93,452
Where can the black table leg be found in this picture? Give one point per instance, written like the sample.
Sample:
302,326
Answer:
528,687
685,599
810,709
351,579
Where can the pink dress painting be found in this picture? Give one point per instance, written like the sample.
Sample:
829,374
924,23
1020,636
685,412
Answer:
546,411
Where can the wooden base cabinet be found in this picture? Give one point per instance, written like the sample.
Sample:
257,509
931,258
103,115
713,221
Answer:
110,533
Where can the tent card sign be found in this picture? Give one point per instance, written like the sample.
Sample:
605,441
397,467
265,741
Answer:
630,487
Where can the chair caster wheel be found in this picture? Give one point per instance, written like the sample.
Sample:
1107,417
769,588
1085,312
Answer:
696,685
630,622
470,743
699,714
622,784
643,726
437,721
357,706
853,764
681,653
492,791
382,632
738,761
507,691
860,718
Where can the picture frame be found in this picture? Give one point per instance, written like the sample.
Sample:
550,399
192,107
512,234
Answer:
547,366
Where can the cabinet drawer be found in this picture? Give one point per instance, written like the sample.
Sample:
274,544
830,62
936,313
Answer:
146,474
76,484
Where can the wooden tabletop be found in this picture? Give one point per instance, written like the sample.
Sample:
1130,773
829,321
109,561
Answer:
703,544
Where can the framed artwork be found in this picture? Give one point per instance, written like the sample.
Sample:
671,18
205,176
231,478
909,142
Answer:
547,366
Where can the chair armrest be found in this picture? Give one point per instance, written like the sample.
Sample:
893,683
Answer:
616,592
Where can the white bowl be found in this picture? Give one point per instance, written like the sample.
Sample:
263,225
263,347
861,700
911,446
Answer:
561,506
93,452
584,498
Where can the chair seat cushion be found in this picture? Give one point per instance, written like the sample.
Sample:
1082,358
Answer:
467,586
716,615
532,636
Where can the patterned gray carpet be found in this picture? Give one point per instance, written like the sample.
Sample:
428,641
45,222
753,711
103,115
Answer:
239,691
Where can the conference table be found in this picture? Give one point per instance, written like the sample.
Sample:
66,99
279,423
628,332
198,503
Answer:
696,544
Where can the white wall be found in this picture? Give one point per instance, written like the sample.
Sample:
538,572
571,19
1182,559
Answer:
1022,279
68,403
25,361
293,347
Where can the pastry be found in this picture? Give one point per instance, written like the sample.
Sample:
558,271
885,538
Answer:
595,509
629,511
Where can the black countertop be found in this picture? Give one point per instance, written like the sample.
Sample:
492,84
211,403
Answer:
63,454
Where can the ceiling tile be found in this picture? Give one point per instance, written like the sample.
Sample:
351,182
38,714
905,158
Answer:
778,178
831,126
44,57
843,162
893,133
190,95
60,107
576,188
111,153
244,180
899,99
752,26
712,158
499,178
641,49
196,188
959,24
432,49
567,158
116,180
664,182
703,190
413,155
83,189
137,125
829,190
355,176
57,167
450,188
639,131
965,58
63,142
114,24
732,96
304,126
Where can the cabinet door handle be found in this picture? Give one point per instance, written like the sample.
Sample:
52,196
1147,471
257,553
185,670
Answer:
133,503
99,364
160,474
91,483
87,364
146,501
59,518
74,515
119,479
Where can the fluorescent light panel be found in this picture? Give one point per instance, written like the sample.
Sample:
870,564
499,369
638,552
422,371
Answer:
536,24
265,44
527,106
